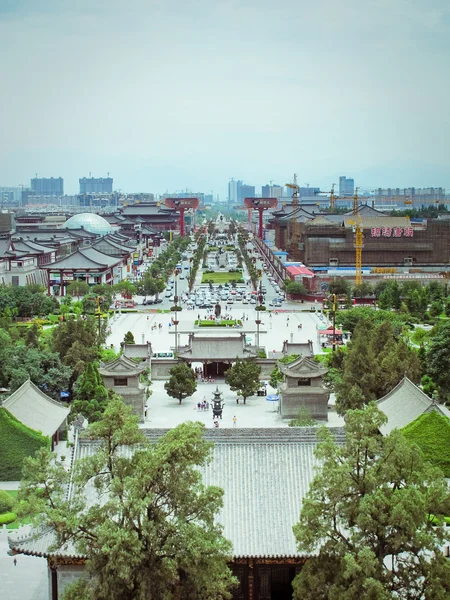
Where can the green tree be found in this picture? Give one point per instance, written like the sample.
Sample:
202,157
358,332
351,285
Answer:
377,359
302,419
125,287
78,288
128,338
437,359
436,308
243,377
149,530
294,287
91,396
363,290
76,341
368,518
182,382
340,287
43,367
151,286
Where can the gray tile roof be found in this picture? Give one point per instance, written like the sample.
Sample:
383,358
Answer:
367,211
137,350
121,366
265,473
35,409
202,347
85,258
302,349
303,366
5,244
404,404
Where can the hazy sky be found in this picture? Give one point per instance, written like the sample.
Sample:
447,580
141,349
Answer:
169,94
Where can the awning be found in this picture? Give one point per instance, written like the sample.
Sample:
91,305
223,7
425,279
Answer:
302,271
330,332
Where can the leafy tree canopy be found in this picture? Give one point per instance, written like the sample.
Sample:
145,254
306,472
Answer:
91,396
150,532
78,288
243,377
437,359
182,382
376,360
368,518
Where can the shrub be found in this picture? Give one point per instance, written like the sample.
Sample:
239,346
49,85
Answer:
176,308
6,502
8,517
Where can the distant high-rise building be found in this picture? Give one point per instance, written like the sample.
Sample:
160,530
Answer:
346,186
96,185
245,191
232,191
265,191
47,186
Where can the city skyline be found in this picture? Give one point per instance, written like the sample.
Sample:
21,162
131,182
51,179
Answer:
192,94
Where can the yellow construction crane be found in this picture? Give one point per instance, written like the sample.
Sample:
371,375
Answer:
359,238
332,198
295,225
296,194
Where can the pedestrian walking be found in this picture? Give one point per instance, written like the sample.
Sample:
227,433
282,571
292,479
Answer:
234,421
15,561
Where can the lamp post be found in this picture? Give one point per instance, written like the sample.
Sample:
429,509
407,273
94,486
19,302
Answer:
260,301
175,320
99,314
333,309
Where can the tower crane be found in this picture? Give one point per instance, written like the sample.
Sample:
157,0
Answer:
295,225
332,198
359,238
296,194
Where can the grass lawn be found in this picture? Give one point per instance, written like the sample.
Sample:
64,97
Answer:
222,277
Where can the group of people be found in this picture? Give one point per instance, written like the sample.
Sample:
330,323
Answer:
203,405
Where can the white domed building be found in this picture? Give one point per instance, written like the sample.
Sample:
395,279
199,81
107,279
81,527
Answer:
89,222
97,259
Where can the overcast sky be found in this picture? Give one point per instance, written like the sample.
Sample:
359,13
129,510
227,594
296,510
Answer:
171,94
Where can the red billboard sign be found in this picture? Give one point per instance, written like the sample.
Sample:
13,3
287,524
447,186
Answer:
185,203
260,203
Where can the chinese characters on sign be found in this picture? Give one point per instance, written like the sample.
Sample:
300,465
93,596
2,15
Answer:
392,231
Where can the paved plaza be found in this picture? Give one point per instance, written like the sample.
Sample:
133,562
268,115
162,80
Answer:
25,581
275,329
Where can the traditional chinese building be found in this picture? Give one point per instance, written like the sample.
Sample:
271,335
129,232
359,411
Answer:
29,405
264,473
122,375
392,242
405,403
216,352
303,386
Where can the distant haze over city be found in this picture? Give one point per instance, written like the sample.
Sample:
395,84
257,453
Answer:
177,95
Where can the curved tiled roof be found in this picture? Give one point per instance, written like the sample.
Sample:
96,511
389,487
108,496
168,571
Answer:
265,474
29,405
404,404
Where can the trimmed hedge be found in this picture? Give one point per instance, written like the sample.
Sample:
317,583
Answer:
222,323
17,441
431,432
8,517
